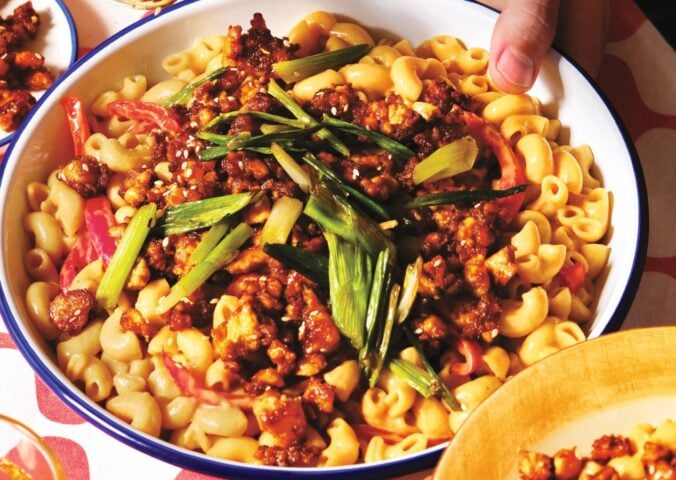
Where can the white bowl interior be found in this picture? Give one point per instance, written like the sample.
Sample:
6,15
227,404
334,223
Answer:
44,143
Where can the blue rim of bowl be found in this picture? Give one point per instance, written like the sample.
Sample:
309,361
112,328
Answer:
183,458
73,56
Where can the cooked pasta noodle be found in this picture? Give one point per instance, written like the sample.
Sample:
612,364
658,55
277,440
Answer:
208,335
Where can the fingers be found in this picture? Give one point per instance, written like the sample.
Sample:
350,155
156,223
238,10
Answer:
523,33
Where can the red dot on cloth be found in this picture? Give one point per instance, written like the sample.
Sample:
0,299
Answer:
618,83
665,265
625,19
52,407
190,475
6,341
72,456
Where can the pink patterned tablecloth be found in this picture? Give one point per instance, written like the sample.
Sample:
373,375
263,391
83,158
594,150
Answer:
638,75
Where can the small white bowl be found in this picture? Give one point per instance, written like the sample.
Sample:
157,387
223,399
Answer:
43,144
56,40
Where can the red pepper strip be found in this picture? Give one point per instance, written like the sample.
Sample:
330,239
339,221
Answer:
77,122
191,387
513,171
146,113
99,218
572,276
82,254
472,352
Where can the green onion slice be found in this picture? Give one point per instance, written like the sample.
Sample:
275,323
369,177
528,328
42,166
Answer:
366,202
219,257
183,96
281,220
409,290
350,269
245,140
447,161
418,378
122,261
210,240
386,143
313,266
278,92
294,70
446,395
462,196
291,167
201,213
388,327
268,117
334,213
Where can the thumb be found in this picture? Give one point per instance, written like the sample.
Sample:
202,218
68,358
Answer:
523,33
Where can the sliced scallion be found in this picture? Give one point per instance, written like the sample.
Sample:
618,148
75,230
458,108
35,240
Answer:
183,96
122,261
268,117
386,336
242,141
400,151
446,395
335,214
409,289
418,378
313,266
297,69
291,167
210,240
350,273
200,214
219,257
462,196
278,92
268,128
281,220
447,161
367,203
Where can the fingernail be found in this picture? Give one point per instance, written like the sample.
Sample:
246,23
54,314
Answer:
516,67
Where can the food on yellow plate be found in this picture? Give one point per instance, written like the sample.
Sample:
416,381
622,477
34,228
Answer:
21,71
646,453
312,251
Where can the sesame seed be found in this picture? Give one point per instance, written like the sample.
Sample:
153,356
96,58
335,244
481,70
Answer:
85,167
186,153
158,183
355,172
346,108
334,111
184,165
213,301
77,312
165,242
188,173
437,263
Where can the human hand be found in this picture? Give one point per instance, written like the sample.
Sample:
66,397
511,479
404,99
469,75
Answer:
526,28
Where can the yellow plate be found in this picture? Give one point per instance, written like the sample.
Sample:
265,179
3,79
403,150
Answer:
598,387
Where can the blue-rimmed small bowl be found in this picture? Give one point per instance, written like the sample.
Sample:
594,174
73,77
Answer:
56,40
43,144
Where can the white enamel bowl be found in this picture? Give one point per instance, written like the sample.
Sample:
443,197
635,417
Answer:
56,40
43,144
